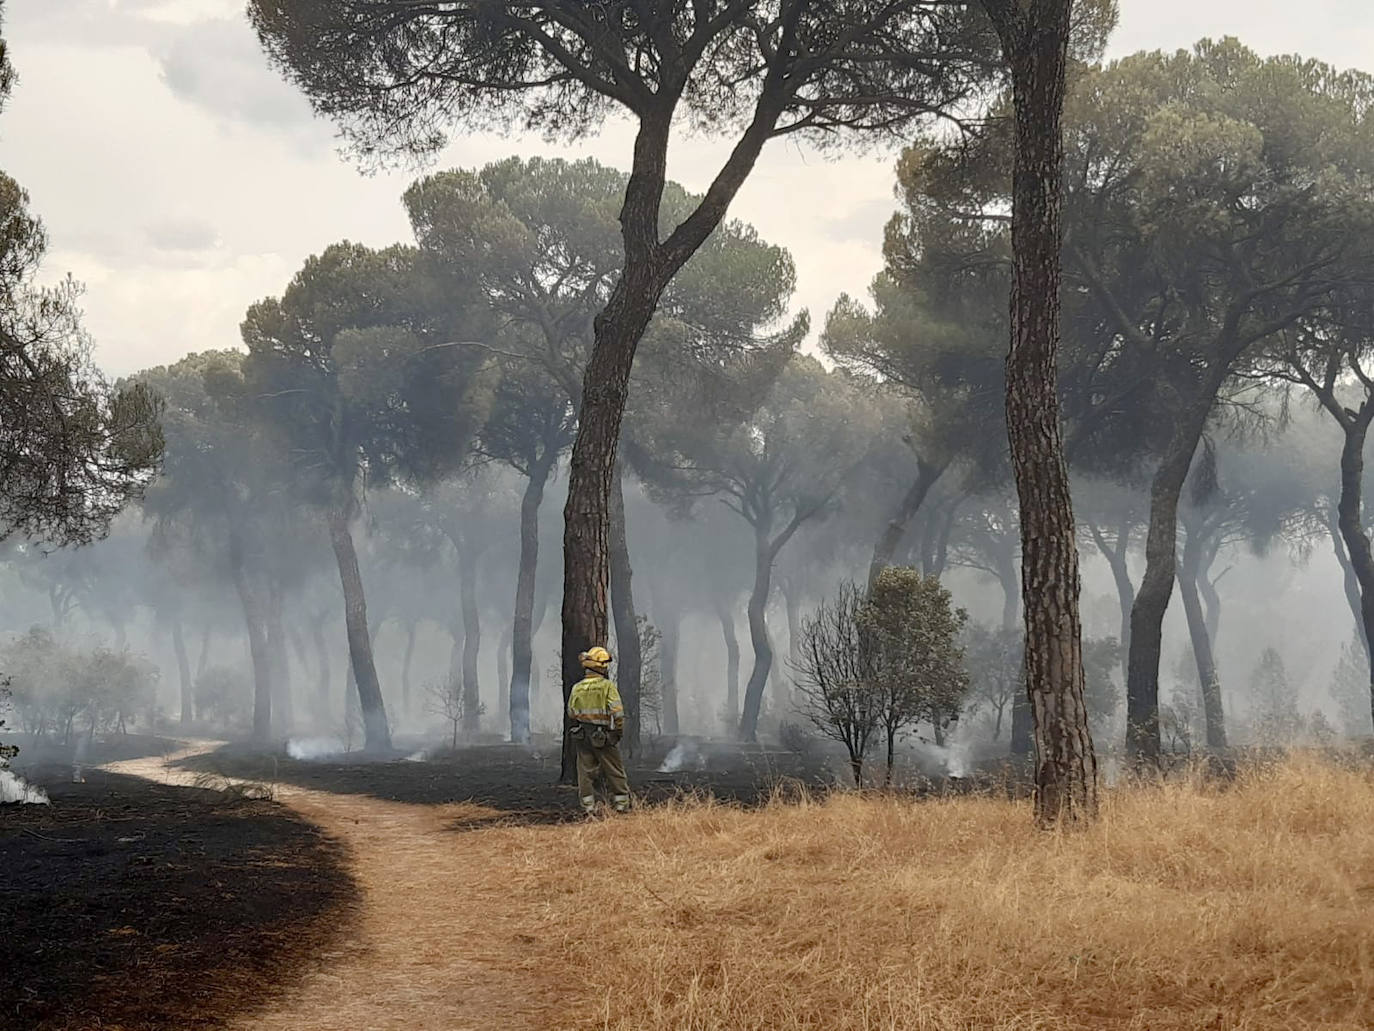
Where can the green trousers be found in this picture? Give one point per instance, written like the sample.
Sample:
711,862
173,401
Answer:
607,760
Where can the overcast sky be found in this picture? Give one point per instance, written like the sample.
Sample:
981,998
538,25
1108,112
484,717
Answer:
181,180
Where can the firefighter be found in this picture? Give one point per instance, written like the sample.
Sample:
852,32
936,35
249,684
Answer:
597,720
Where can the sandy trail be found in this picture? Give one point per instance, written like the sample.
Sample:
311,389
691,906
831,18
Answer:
436,945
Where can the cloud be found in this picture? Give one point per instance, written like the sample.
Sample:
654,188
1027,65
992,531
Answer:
218,66
183,233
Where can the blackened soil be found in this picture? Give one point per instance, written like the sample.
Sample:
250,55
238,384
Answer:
139,905
516,781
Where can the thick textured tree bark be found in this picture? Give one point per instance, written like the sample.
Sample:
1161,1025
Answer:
522,627
281,662
254,622
1035,43
727,629
188,694
927,473
758,635
629,666
472,635
1157,585
1208,679
650,263
376,732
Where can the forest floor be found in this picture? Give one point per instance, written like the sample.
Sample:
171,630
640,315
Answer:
1245,906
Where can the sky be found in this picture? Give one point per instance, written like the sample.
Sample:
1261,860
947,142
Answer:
181,179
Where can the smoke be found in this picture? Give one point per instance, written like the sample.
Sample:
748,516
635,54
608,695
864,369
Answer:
956,757
308,748
15,789
683,753
418,757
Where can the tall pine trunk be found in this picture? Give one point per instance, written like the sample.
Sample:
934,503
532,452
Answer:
1349,580
472,634
1121,576
1035,43
1157,585
258,651
727,629
758,635
281,662
1208,679
406,663
503,649
324,676
203,659
188,694
629,671
522,626
891,538
1352,526
376,731
671,629
649,266
591,473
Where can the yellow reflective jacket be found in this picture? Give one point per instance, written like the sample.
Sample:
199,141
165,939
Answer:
596,700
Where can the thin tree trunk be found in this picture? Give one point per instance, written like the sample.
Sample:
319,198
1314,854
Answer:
891,538
522,627
188,694
324,675
758,634
455,652
257,642
1121,576
472,635
376,732
203,659
503,650
629,670
281,663
1022,734
727,629
1208,680
1350,581
1157,585
670,627
791,598
406,664
1035,43
1352,527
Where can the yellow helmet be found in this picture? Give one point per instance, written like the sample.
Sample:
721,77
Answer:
595,658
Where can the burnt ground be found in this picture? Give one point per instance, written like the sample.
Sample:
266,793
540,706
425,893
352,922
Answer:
139,905
515,781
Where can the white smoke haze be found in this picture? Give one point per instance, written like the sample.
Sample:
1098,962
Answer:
310,748
684,755
14,789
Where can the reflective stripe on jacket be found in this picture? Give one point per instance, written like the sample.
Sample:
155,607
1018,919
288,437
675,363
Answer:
596,700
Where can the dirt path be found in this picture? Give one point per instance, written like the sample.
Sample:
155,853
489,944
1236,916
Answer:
437,945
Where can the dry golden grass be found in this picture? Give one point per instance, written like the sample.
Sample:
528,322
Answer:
1244,909
1186,907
